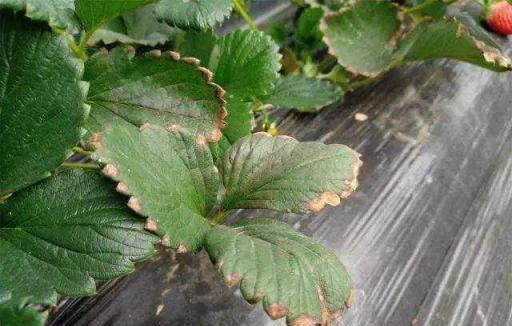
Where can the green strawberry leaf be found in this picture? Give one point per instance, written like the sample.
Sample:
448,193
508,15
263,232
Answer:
362,37
139,26
452,39
247,64
280,173
169,175
197,14
199,45
62,234
159,88
94,13
238,121
304,94
41,101
19,315
57,13
307,36
292,275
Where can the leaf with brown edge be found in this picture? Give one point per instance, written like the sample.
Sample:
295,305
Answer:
362,37
169,175
161,88
283,174
293,276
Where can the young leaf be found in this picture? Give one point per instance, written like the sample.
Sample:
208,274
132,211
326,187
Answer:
197,14
361,38
280,173
60,235
159,88
19,315
304,94
454,40
292,275
94,13
42,101
57,13
135,27
169,175
247,64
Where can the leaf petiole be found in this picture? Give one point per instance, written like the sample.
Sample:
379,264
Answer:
242,12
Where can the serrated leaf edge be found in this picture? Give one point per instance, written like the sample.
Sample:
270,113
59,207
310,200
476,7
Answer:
134,203
205,73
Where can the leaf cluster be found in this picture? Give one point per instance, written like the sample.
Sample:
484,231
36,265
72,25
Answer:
162,124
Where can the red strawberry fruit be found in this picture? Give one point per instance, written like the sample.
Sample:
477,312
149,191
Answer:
499,18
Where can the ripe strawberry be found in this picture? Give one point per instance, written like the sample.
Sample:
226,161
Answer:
499,18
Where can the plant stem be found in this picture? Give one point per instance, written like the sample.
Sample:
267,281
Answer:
79,150
77,50
219,217
71,165
326,62
242,12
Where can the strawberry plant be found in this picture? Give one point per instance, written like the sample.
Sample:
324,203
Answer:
163,120
334,47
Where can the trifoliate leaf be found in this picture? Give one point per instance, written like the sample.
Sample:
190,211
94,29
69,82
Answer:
169,174
94,13
199,45
453,40
41,101
293,276
197,14
60,235
159,88
247,64
303,94
58,13
362,37
19,315
283,174
135,27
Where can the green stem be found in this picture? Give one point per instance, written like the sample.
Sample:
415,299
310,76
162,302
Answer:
242,12
79,150
71,165
83,41
219,217
77,50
